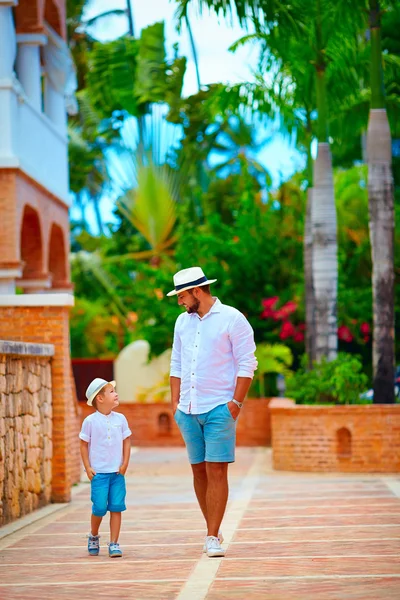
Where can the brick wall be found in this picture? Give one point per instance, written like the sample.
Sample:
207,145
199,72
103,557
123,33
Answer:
25,428
358,438
154,425
50,324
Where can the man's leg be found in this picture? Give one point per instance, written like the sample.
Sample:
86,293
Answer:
200,487
217,495
220,440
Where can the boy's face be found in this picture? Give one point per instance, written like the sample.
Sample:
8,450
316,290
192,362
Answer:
109,398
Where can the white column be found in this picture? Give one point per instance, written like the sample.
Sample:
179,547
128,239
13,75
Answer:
28,66
54,106
8,46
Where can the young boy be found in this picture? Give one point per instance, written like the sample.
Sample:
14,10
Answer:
105,451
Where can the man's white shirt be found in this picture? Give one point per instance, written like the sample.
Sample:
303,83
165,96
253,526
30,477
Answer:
105,434
208,355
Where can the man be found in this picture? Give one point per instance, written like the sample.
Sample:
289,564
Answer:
212,366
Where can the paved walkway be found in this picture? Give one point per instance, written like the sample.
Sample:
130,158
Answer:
288,537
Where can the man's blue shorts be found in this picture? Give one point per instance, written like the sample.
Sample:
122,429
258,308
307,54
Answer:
209,436
108,492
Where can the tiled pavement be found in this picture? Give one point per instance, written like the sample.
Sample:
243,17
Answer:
288,537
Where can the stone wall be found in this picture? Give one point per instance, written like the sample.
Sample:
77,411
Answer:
356,438
25,428
154,424
50,325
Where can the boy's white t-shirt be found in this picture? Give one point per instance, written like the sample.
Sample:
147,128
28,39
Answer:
105,434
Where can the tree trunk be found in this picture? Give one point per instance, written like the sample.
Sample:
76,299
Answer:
381,217
381,209
324,259
309,282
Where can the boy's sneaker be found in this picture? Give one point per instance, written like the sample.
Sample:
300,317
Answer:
93,545
114,551
220,537
214,547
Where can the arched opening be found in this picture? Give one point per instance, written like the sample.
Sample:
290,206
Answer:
52,16
343,443
57,257
164,424
31,245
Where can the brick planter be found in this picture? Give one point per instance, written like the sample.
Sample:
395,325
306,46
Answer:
154,425
356,438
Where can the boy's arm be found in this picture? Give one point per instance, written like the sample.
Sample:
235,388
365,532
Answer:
85,459
126,454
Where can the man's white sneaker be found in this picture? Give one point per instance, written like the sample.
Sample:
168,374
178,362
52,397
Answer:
214,547
220,537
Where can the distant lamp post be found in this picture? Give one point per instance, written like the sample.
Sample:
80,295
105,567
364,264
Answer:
281,385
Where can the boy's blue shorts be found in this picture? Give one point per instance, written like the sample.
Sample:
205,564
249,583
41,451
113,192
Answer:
108,492
209,436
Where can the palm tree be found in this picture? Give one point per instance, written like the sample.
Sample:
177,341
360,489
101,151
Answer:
381,208
235,139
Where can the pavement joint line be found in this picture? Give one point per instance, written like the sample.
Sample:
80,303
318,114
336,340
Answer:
245,542
315,527
318,577
256,517
93,562
106,560
90,582
393,485
327,516
204,573
143,531
284,496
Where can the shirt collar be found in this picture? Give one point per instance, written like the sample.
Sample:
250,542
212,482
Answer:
216,308
102,416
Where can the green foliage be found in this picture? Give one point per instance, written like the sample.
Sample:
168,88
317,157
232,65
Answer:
272,359
340,381
94,331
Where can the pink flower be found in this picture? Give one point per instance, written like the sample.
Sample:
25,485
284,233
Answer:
345,334
268,303
287,330
365,329
298,336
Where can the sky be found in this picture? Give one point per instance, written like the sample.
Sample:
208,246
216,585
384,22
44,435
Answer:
213,36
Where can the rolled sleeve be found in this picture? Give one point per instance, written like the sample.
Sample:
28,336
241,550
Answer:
243,347
176,368
85,432
126,432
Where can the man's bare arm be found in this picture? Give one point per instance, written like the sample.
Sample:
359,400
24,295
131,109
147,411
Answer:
175,383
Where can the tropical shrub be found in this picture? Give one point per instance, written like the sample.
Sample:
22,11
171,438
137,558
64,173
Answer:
340,381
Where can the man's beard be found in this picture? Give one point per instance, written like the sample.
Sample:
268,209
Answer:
194,308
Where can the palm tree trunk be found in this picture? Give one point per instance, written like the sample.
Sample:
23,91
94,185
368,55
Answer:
130,18
194,51
381,210
308,267
324,230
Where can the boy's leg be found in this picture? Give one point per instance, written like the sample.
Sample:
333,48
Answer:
115,526
116,504
95,523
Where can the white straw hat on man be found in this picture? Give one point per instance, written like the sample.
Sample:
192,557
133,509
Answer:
188,279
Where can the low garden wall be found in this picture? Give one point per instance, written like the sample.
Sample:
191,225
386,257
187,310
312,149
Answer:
25,428
350,438
154,425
